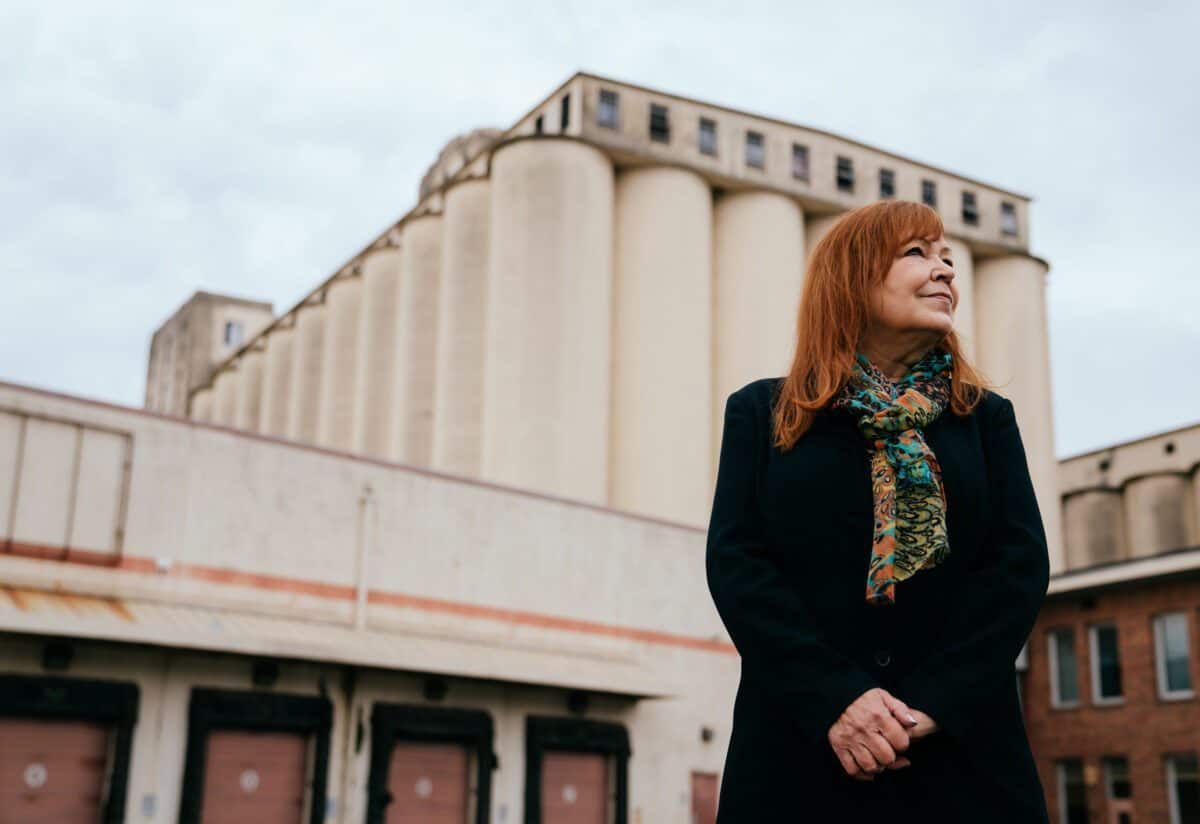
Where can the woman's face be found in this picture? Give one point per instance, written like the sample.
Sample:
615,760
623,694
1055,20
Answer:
918,294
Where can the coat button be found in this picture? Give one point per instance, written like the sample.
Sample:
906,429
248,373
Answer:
882,657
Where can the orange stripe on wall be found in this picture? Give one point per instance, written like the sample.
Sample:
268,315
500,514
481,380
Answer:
300,586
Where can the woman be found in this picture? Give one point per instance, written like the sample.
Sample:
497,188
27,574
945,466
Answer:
877,554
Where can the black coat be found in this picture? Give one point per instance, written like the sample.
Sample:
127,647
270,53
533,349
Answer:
788,547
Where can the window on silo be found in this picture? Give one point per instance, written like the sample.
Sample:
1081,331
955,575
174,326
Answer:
1008,218
845,174
887,183
538,124
660,125
708,136
606,114
799,161
970,209
233,333
756,154
564,113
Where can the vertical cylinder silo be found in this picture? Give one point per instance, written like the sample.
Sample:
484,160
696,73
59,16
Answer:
277,381
662,336
416,338
308,350
815,228
374,408
1157,510
343,302
225,386
1013,351
459,358
201,408
964,284
547,381
250,367
1093,528
757,275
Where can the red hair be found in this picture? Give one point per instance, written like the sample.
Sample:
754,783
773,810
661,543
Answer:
853,257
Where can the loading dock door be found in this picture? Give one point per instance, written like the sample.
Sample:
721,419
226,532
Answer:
574,788
255,777
428,784
52,772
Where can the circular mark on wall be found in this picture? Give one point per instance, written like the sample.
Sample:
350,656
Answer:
35,775
248,780
424,787
570,794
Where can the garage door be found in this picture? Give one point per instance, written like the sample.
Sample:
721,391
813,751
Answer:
52,772
704,798
254,777
574,788
428,784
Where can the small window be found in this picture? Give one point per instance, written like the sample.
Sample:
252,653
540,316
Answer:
1008,218
1106,663
708,136
1072,793
755,153
538,124
970,210
929,193
233,333
1116,777
564,113
660,126
1172,655
1064,680
606,114
845,174
887,183
799,161
1183,788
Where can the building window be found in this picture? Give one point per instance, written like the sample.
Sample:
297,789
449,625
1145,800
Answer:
708,136
1072,793
845,174
799,161
1116,777
1172,655
1105,663
606,114
1183,789
929,193
887,183
1064,681
564,113
233,333
970,209
1008,218
660,126
538,124
755,153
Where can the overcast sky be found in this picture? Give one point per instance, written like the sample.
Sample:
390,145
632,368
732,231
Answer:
150,149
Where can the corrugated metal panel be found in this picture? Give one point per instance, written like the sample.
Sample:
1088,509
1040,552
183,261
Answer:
574,788
428,783
253,777
192,627
52,772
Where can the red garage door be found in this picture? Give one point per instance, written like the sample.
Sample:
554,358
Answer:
255,778
704,798
52,772
428,783
574,788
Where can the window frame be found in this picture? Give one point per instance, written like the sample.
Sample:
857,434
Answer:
1053,654
241,333
801,150
887,178
1172,777
1094,663
929,187
665,135
969,216
701,131
752,136
1009,209
1160,660
848,163
1060,769
603,101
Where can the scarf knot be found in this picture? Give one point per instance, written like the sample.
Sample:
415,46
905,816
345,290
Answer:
906,479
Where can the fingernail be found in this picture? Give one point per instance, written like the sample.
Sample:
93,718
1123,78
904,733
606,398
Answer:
911,719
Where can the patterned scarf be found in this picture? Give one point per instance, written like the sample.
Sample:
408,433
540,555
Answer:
910,501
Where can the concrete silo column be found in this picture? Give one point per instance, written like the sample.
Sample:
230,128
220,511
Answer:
1012,349
457,403
201,407
547,390
343,301
308,350
416,338
250,367
277,381
225,388
662,334
375,385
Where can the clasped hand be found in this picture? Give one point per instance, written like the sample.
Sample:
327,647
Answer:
870,733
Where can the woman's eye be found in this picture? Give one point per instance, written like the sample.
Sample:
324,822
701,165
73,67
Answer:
916,249
948,262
